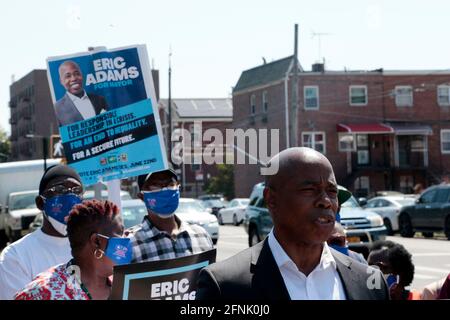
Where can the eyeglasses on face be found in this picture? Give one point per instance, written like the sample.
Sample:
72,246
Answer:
62,189
157,186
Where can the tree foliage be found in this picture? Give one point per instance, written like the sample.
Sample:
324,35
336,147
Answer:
5,145
223,183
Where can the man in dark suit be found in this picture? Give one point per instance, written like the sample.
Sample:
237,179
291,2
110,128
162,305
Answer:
294,261
76,104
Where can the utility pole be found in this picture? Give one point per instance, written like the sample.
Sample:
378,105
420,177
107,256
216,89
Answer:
293,118
169,135
45,151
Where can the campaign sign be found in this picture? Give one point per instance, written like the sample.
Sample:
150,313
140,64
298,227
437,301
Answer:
172,279
105,104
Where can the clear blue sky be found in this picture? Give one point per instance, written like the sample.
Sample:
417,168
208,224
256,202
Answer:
213,41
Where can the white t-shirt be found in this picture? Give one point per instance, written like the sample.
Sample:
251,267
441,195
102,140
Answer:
24,259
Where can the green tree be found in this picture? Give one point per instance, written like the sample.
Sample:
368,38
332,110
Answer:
222,183
5,145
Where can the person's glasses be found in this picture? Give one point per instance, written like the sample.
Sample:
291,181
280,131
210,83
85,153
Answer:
169,185
62,189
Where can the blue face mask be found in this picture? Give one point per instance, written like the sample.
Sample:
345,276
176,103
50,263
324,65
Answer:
119,250
343,250
163,202
57,209
391,279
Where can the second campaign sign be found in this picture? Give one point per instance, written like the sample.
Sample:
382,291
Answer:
106,109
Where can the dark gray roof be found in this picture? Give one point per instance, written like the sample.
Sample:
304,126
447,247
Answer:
201,108
263,74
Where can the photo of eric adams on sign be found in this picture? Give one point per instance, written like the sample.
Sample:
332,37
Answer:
76,104
106,107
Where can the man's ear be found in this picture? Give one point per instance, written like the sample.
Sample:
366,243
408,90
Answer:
270,198
39,202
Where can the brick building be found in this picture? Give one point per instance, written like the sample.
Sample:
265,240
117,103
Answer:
211,114
381,130
31,113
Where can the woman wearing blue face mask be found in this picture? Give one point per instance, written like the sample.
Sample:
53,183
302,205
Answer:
95,232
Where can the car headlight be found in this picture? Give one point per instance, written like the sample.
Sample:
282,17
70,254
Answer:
213,224
15,223
375,220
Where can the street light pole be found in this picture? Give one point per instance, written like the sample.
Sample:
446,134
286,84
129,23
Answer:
45,151
169,135
44,147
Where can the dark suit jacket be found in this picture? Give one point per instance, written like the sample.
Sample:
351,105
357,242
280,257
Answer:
67,113
253,274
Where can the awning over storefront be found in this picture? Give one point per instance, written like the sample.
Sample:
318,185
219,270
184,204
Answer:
408,129
364,128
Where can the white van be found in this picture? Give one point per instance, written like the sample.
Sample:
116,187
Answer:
18,176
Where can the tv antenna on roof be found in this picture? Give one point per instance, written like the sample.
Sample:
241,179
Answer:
319,45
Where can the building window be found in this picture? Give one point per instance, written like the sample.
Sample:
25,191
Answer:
418,144
443,93
252,105
358,95
314,140
403,96
346,142
362,144
362,186
311,97
265,103
445,141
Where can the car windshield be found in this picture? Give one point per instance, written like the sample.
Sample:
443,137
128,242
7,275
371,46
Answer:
190,206
406,202
244,202
133,215
350,203
23,201
213,203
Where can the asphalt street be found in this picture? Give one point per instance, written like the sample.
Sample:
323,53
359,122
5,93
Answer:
431,257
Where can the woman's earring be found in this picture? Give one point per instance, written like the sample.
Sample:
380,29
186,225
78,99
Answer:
97,255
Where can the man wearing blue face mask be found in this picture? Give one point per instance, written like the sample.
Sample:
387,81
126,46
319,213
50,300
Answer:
162,235
60,188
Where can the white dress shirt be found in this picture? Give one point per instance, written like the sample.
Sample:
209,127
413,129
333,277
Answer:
323,283
83,105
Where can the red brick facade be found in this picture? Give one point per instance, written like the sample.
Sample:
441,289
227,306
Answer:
388,161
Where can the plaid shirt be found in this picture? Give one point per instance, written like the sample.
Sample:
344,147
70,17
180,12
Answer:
149,243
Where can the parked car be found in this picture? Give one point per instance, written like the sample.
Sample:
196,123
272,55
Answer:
429,214
214,205
389,208
362,226
192,211
133,212
234,212
21,210
90,194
